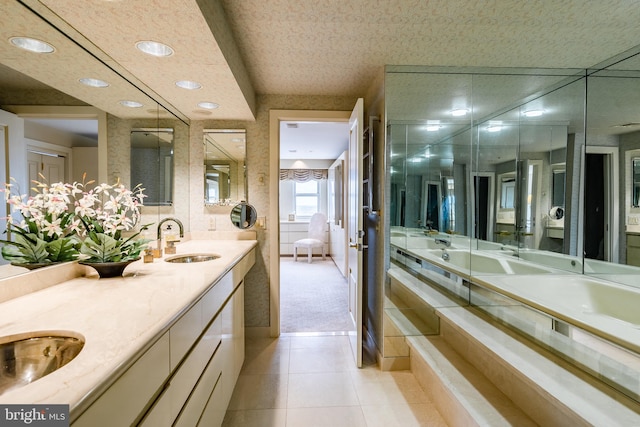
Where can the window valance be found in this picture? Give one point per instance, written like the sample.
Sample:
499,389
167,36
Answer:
302,175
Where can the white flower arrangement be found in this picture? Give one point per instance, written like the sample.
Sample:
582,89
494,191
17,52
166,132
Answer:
64,222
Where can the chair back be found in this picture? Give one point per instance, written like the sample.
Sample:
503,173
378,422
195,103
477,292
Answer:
317,225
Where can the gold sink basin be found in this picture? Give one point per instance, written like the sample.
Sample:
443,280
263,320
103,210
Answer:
189,258
28,357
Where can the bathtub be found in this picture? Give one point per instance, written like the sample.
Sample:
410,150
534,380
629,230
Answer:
471,263
555,260
606,309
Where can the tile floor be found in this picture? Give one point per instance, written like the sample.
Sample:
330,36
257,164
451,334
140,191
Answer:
309,380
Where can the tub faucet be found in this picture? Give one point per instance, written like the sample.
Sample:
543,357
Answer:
445,242
180,226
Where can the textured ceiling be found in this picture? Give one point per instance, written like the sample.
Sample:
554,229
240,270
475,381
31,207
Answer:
335,47
322,47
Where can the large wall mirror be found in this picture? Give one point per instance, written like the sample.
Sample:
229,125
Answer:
41,94
152,164
224,166
530,161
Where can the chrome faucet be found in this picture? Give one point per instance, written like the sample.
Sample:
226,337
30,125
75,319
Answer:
445,242
180,226
445,254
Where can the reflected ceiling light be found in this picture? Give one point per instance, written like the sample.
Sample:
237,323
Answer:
32,45
154,48
188,84
494,127
432,128
237,140
93,82
533,113
131,104
459,112
208,105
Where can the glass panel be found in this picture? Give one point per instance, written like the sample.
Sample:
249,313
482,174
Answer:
225,170
152,164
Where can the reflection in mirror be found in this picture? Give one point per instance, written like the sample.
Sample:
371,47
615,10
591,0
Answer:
636,182
152,164
224,161
44,85
243,215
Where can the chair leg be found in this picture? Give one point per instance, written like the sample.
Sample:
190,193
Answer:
323,254
309,255
295,254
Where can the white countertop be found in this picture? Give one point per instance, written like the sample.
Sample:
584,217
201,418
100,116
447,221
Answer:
118,317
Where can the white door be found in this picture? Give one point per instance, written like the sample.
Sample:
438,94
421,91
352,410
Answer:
3,176
47,167
355,227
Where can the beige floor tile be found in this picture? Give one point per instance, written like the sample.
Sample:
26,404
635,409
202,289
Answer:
259,392
322,389
256,418
321,342
339,416
307,360
266,360
403,415
264,343
387,388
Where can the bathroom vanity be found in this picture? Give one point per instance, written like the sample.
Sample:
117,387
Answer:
164,344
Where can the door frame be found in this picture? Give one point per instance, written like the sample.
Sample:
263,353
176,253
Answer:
612,199
273,221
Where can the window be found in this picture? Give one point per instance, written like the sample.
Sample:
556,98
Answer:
307,197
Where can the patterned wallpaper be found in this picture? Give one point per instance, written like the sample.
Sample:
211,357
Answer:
335,47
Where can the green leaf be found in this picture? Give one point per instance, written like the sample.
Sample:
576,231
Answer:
64,249
101,248
23,250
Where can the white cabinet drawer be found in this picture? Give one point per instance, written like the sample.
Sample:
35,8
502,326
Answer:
216,408
215,297
184,333
186,377
123,402
206,387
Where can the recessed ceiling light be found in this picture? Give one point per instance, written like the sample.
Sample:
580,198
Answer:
188,84
208,105
533,113
32,45
494,128
131,104
93,82
459,112
154,48
432,128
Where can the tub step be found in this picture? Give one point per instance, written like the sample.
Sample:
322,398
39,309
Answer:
547,388
461,393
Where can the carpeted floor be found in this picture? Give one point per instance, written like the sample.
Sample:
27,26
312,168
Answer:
313,297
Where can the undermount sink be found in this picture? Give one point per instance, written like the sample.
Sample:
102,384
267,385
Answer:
189,258
26,358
